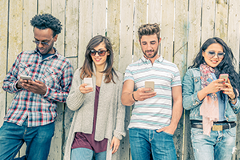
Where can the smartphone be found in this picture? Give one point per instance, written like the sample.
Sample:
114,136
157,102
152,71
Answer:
224,76
88,81
25,77
149,84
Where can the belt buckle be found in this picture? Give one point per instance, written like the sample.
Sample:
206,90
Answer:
217,128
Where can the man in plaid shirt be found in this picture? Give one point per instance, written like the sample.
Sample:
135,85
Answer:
30,117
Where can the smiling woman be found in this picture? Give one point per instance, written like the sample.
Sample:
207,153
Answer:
213,103
98,122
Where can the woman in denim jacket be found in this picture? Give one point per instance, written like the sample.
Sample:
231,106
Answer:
213,102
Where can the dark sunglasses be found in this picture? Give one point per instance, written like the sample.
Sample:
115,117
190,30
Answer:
100,53
43,43
211,54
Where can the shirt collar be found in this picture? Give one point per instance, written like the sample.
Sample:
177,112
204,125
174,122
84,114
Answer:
55,54
145,60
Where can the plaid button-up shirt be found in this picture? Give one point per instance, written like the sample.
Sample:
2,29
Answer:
55,71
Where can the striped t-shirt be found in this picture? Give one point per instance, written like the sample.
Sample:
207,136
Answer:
156,112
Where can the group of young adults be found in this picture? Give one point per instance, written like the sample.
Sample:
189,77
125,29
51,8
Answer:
98,122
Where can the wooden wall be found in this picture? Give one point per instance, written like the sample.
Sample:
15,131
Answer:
185,25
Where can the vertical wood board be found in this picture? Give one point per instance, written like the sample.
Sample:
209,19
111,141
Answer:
126,34
140,18
99,17
113,28
167,29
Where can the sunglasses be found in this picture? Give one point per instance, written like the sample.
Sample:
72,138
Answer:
100,53
43,43
211,54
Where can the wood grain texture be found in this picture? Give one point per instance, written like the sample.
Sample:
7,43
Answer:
3,55
208,13
180,59
113,28
126,34
167,28
85,32
140,18
194,33
221,20
99,17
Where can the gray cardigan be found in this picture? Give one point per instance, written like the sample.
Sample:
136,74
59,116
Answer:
110,114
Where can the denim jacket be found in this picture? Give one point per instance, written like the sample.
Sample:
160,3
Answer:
191,85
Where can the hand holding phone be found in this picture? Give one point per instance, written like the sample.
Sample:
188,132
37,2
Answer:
224,76
88,81
25,77
149,84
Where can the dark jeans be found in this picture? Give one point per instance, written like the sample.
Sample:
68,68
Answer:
38,140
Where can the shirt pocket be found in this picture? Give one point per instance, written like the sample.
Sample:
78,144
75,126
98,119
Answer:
51,77
24,69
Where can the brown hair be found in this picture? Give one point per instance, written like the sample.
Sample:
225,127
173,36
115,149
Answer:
87,70
149,29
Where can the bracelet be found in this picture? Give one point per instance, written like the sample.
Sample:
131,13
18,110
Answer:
232,100
134,98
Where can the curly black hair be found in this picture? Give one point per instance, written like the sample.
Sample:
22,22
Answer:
225,66
44,21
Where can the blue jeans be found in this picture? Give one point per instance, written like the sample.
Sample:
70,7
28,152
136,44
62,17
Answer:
38,140
145,143
218,146
86,154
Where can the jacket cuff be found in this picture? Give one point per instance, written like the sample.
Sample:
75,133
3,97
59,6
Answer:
196,101
118,134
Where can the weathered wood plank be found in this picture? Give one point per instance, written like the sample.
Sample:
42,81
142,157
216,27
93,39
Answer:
194,34
85,33
126,36
44,6
3,55
154,11
125,58
233,42
15,38
221,20
208,13
194,41
57,142
113,28
179,58
167,29
234,29
58,11
99,17
29,11
72,28
139,18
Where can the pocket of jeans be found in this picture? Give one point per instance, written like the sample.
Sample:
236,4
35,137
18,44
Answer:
168,133
231,132
196,131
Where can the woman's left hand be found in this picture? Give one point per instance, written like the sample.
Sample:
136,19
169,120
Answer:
228,90
114,144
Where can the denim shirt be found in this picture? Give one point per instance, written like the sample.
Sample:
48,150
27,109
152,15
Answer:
191,85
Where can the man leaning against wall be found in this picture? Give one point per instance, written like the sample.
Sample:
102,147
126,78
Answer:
39,78
157,109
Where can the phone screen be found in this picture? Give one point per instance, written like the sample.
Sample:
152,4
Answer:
223,76
149,84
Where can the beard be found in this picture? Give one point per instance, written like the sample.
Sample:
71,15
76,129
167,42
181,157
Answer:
150,56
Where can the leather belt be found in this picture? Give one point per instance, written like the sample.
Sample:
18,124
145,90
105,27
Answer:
216,127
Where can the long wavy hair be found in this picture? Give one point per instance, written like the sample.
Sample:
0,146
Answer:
225,66
87,68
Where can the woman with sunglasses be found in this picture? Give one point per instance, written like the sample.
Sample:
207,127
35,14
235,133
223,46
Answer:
98,122
213,102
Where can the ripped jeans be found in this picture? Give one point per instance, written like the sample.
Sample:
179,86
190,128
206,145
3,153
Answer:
220,145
